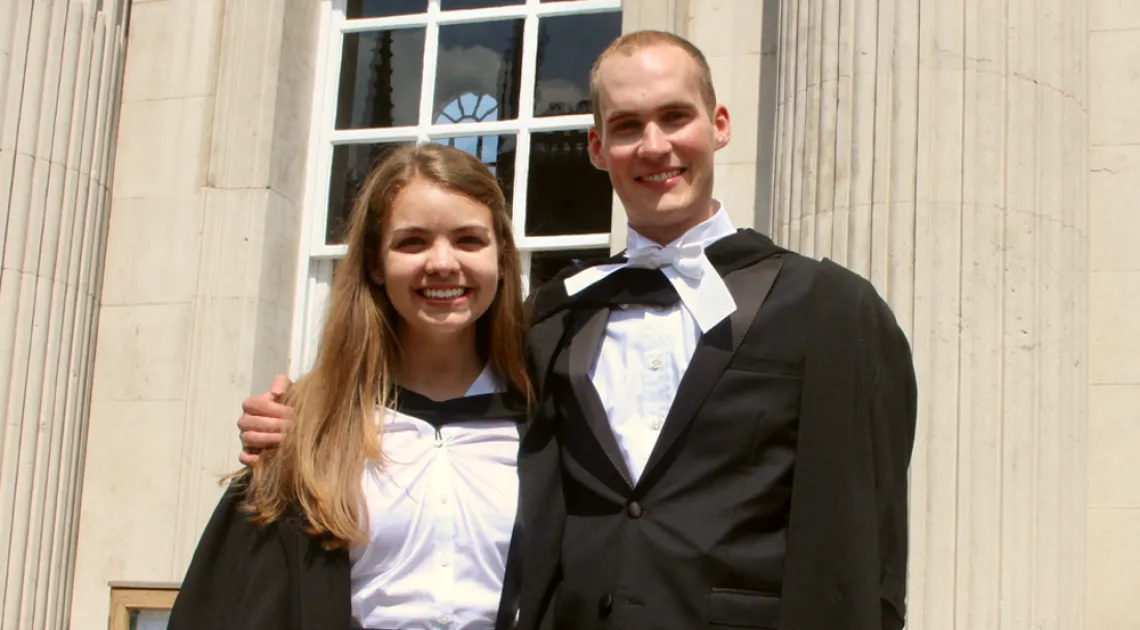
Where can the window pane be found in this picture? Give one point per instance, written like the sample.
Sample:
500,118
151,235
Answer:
497,152
451,5
567,48
351,163
380,79
565,193
383,8
546,265
146,619
479,62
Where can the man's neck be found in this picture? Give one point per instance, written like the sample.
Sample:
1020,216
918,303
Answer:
665,234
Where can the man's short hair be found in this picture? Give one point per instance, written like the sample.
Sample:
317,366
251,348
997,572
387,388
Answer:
631,43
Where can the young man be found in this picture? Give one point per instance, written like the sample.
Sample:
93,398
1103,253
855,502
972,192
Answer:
724,427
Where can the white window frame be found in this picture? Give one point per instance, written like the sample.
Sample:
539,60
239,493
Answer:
315,258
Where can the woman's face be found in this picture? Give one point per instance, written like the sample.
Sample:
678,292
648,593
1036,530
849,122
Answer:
440,260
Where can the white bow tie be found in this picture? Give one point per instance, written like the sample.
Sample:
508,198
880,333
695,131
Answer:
685,266
686,259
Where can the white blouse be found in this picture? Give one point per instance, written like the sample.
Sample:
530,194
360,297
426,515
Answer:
441,509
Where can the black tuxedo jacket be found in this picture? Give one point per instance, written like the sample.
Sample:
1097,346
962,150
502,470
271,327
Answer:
775,496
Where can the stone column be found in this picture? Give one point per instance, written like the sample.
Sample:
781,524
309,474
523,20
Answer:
200,271
60,69
1114,300
938,147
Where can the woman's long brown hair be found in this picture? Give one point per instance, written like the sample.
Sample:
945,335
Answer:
335,432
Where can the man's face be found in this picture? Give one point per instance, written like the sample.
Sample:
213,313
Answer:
657,139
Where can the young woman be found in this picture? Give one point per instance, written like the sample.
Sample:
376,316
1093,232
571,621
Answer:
391,502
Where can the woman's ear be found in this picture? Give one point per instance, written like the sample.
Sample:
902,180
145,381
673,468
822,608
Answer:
376,273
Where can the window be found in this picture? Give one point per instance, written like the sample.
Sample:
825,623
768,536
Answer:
141,607
504,80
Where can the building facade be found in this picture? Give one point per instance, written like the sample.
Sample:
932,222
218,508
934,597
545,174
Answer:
175,176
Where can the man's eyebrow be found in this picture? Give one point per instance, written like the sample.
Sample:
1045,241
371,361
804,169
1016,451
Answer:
671,105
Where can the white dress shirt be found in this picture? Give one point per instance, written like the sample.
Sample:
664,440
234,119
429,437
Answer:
644,355
441,510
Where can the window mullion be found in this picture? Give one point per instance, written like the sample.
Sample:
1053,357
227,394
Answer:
327,124
525,119
524,264
319,288
431,61
564,242
314,212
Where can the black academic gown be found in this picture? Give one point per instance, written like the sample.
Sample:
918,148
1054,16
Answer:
252,578
277,577
775,496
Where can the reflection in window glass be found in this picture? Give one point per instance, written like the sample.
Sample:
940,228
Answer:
383,8
497,152
351,163
380,79
546,265
565,193
469,107
144,619
483,59
567,47
452,5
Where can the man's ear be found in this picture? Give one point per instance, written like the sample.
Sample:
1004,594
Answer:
597,155
723,126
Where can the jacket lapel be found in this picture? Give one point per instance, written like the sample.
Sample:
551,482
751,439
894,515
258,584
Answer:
584,346
749,287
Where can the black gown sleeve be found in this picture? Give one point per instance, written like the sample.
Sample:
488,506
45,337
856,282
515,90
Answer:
239,577
893,401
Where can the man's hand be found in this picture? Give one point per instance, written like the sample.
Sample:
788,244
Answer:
264,421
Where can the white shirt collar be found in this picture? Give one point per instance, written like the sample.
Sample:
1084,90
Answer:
711,230
684,264
487,383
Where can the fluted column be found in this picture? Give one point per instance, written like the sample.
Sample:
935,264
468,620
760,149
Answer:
60,64
938,147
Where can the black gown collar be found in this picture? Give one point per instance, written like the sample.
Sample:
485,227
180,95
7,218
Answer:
745,247
493,407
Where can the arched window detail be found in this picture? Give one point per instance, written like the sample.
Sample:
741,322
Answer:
467,108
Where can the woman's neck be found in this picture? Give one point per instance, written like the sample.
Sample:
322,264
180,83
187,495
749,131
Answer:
440,368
